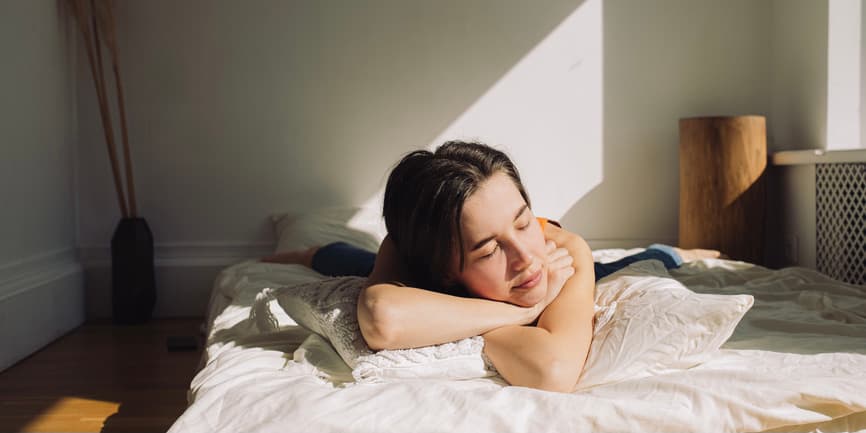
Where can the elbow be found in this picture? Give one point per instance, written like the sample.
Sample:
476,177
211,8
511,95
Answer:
557,376
376,318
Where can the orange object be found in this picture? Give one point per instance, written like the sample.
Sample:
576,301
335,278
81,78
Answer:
543,221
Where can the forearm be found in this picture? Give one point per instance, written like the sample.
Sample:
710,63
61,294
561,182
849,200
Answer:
551,356
531,357
394,317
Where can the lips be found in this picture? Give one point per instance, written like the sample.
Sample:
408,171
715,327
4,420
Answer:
530,282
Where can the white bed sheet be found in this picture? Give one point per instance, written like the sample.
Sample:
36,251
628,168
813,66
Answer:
797,362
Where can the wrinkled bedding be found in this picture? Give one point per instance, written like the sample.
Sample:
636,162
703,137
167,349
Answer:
796,362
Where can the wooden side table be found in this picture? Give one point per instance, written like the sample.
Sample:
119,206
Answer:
722,185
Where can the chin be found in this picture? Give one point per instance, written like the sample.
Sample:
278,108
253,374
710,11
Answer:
533,296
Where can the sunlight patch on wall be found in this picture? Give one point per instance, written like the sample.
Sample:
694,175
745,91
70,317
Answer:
546,113
843,74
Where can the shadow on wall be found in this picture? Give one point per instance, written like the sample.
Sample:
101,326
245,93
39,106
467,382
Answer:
390,77
545,111
662,61
269,106
295,105
590,112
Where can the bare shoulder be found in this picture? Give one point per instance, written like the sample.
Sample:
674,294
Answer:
388,267
566,239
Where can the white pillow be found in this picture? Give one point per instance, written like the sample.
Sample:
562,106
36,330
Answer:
648,323
359,226
328,308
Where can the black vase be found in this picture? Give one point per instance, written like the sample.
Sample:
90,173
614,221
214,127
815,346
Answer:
133,284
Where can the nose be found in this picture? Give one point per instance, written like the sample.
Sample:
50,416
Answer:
521,257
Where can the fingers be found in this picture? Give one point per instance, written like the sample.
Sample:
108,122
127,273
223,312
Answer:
560,269
568,271
556,279
562,261
557,255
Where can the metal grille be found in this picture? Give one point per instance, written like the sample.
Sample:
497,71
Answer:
841,225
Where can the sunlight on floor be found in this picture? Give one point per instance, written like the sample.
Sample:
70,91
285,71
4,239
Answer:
547,114
90,415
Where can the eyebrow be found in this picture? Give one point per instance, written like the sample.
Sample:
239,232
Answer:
481,243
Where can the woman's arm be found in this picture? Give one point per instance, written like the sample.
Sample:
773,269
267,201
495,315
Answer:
399,317
551,355
392,316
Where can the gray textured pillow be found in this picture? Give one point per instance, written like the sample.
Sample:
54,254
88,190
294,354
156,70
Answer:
328,308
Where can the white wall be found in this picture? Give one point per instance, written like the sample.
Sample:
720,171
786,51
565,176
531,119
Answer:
41,282
665,60
241,109
799,75
799,120
843,74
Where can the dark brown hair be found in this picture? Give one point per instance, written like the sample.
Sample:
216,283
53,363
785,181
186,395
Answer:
423,202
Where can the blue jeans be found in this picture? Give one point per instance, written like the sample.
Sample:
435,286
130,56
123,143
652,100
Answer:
341,259
660,252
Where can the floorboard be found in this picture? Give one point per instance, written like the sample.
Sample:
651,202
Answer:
102,378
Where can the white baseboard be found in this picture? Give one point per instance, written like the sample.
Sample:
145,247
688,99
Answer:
184,254
184,275
41,298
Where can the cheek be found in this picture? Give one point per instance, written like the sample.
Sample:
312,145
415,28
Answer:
485,280
535,240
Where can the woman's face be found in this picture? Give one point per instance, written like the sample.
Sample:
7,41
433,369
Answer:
503,245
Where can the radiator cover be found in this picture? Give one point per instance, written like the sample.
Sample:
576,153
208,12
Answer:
840,202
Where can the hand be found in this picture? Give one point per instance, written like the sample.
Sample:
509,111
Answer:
559,270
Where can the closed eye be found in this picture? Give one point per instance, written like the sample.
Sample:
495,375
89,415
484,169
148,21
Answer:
495,249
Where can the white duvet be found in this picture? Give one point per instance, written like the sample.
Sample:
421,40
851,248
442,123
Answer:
796,362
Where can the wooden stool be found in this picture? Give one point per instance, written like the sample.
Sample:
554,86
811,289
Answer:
722,186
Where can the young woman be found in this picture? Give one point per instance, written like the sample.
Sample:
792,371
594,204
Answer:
466,256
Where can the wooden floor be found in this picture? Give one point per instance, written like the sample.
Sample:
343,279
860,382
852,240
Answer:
101,377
